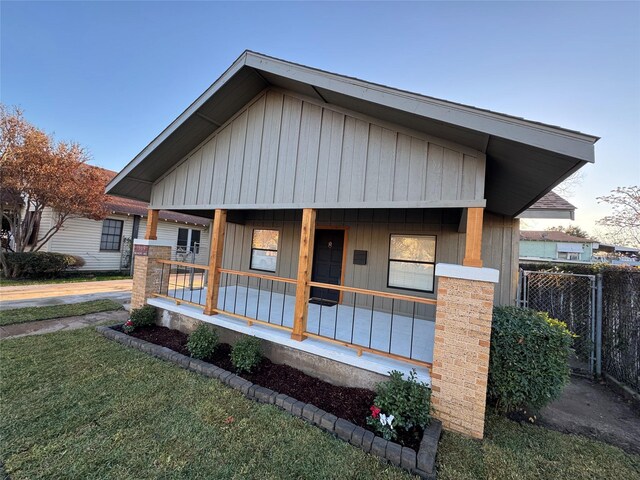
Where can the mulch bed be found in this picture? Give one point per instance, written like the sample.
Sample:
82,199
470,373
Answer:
352,404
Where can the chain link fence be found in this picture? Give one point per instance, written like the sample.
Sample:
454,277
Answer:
621,325
570,298
603,309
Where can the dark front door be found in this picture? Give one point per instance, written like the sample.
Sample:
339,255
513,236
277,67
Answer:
327,263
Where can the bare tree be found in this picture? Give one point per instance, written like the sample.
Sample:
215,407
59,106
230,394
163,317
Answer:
624,221
568,187
572,230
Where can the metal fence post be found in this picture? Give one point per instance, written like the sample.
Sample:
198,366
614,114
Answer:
599,324
519,288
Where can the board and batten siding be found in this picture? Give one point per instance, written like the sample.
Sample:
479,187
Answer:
286,151
370,230
81,237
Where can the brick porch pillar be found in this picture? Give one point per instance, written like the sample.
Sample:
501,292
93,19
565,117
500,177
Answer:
148,274
461,350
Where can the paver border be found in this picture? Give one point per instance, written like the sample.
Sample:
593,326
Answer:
421,463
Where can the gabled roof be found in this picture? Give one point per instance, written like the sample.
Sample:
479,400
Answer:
128,206
525,159
552,236
551,205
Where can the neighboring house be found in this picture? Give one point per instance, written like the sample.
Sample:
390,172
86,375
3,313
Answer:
555,247
551,205
107,244
617,255
357,229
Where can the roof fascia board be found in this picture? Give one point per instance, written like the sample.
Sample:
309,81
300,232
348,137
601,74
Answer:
558,140
548,213
191,109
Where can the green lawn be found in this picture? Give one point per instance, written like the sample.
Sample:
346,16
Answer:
75,405
31,314
7,282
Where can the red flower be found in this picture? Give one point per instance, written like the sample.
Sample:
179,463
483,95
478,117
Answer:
129,323
375,411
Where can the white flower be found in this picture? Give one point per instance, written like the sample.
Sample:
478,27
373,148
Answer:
386,420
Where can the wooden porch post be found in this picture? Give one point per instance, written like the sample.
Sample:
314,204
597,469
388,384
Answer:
305,261
152,225
473,244
215,261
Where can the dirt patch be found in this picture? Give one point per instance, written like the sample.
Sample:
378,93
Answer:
351,404
591,409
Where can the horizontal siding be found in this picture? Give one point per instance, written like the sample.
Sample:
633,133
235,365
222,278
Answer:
283,151
168,232
81,236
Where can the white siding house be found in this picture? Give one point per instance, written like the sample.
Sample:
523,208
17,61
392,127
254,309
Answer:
107,244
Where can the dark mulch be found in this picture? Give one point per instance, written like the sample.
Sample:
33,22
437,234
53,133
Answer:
173,339
352,404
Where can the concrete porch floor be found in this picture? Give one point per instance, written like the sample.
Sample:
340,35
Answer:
400,335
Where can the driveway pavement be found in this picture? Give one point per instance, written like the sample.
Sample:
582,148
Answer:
62,293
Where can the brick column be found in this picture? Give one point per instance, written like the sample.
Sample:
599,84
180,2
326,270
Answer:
461,350
148,274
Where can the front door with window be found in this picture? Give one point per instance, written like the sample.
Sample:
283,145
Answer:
327,263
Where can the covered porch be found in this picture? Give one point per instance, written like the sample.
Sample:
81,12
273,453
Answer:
371,329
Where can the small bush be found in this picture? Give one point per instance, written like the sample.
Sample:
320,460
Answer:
529,362
245,355
202,342
407,401
143,316
40,264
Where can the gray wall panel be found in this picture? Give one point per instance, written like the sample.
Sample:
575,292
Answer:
284,151
370,230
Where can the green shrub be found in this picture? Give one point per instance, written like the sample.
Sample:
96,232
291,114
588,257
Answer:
408,401
529,362
202,342
143,316
40,264
245,355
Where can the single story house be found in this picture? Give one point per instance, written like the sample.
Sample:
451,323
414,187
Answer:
551,205
357,228
107,245
617,255
552,246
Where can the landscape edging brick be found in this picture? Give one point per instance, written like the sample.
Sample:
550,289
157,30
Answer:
421,463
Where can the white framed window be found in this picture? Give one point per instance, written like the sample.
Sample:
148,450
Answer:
412,262
568,256
188,241
264,250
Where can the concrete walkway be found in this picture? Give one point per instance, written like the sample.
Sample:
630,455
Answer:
63,293
592,409
58,324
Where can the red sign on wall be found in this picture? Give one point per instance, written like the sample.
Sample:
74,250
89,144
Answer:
141,250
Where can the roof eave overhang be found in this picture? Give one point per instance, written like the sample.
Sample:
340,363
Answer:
497,135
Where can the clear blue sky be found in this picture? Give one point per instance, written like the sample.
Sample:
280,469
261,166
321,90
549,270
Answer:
112,75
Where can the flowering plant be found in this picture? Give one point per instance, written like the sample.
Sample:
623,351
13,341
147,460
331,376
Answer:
128,327
382,423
